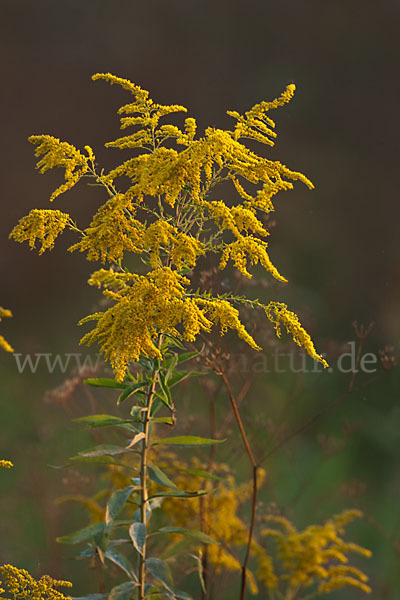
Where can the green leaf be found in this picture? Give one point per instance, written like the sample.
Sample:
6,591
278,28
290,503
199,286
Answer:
85,553
160,571
172,362
102,420
201,473
104,450
158,476
165,391
122,591
181,375
187,440
136,439
136,412
181,595
117,502
105,383
106,460
174,342
183,357
166,420
180,494
177,377
131,389
137,532
82,534
200,571
121,562
192,533
86,459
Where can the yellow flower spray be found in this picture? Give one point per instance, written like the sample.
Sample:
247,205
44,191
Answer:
158,208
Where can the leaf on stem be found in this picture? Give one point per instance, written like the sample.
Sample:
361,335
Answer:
117,502
187,440
82,534
137,532
160,571
158,476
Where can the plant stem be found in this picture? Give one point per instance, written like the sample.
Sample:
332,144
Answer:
255,481
144,496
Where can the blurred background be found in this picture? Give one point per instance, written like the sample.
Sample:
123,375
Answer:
338,245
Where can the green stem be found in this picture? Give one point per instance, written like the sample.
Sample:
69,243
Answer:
144,496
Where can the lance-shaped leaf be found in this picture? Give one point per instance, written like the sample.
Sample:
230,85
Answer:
200,571
120,560
122,591
117,502
105,383
158,476
102,420
136,439
181,595
181,358
187,440
191,533
160,571
172,362
166,420
137,532
201,473
180,494
131,389
165,394
104,450
179,376
83,534
85,459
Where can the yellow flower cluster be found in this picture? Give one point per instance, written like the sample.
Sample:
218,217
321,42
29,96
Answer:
278,313
5,312
149,304
182,250
61,154
249,248
255,124
148,114
6,464
112,232
20,585
42,225
220,516
170,187
246,247
317,555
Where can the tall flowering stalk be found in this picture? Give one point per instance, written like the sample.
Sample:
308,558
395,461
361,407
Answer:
160,205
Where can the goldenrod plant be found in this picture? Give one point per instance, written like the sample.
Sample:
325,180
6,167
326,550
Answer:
162,206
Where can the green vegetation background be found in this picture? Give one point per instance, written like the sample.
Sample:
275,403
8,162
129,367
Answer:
338,245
